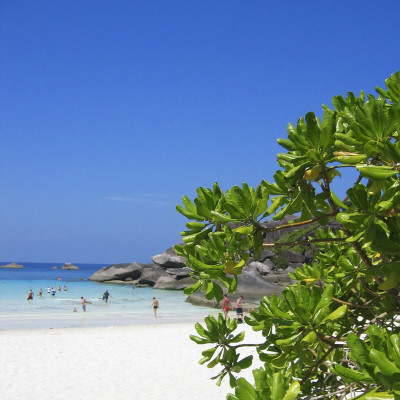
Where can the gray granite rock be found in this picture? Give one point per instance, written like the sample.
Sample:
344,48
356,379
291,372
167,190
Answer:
166,260
118,272
293,257
263,268
150,274
169,283
279,279
179,273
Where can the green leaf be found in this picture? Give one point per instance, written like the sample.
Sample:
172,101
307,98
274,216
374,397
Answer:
375,172
245,391
278,390
382,362
326,298
350,375
245,362
338,313
293,391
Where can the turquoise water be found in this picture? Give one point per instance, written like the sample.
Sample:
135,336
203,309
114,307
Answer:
126,306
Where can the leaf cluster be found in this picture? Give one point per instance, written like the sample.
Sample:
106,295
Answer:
335,333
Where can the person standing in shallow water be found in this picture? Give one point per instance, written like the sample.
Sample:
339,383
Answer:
226,305
83,301
155,305
106,295
30,295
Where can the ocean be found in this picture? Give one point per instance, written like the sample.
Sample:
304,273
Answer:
126,306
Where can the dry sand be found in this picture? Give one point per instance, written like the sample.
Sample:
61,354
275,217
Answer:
136,362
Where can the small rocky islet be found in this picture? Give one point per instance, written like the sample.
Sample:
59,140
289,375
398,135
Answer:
12,265
264,276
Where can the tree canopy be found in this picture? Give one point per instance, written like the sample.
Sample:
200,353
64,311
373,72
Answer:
335,332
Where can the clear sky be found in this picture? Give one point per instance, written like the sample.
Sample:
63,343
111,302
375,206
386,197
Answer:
110,111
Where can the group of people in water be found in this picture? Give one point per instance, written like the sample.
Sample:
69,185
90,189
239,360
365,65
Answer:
226,303
51,291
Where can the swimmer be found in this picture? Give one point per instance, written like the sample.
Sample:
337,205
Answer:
155,305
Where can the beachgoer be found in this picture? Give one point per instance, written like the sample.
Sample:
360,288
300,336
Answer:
40,293
48,289
74,309
155,305
53,291
30,295
65,288
58,287
226,305
106,295
83,303
239,309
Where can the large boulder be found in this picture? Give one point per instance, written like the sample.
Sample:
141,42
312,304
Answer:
169,259
293,257
280,278
264,268
150,274
118,272
169,283
179,273
253,286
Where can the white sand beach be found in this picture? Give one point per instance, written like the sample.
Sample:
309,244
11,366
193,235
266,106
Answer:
151,362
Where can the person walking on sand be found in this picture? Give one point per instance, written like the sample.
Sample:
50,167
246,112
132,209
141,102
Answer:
155,305
239,309
30,295
226,305
83,301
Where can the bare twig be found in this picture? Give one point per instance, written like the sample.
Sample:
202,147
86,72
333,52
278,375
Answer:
323,396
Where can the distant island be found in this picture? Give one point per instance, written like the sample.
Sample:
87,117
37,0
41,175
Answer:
69,266
12,265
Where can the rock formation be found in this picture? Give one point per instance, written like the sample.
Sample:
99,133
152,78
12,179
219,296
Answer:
263,276
69,266
12,265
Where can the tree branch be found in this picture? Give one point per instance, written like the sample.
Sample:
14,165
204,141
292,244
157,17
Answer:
300,242
351,304
323,396
299,223
315,366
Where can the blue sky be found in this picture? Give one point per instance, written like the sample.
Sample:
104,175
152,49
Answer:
111,111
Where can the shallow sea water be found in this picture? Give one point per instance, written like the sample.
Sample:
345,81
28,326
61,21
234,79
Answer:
126,306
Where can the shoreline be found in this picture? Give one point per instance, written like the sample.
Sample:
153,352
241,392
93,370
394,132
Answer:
152,362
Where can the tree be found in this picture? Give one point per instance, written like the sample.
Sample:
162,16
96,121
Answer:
334,333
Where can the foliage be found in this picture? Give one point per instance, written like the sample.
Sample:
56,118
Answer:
334,333
294,236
